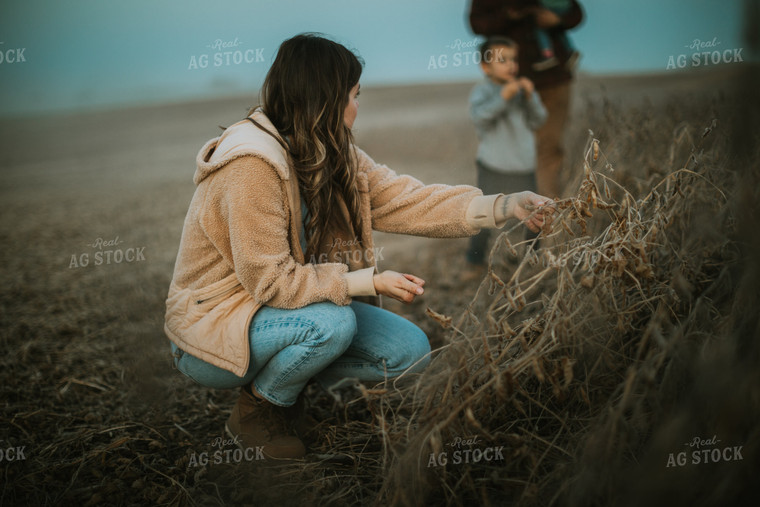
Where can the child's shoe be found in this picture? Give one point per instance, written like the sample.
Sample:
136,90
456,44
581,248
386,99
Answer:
547,61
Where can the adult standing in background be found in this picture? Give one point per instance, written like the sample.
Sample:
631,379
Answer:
518,20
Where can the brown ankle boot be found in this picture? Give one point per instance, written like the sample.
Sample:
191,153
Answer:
259,423
304,425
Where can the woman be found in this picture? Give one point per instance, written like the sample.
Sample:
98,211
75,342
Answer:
277,248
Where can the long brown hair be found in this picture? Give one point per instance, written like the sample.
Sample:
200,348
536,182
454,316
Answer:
304,95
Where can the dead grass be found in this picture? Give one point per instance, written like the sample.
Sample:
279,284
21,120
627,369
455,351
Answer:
588,360
574,356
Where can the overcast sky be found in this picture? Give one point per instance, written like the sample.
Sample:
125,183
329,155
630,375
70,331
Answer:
88,53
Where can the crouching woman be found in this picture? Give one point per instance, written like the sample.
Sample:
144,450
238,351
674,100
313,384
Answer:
276,249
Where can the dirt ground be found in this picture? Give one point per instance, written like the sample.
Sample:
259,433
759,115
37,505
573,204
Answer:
88,391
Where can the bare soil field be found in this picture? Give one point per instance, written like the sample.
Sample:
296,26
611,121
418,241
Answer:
589,394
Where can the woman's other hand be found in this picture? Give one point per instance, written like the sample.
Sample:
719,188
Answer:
399,286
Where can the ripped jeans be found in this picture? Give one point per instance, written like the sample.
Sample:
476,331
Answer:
322,340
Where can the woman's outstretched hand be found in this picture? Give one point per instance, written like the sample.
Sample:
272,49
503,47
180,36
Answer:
530,208
400,286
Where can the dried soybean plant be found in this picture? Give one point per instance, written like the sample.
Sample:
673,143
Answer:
559,355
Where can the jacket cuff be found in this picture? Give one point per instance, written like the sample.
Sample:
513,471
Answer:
360,282
481,213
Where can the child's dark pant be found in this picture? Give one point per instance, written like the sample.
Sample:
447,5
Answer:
494,182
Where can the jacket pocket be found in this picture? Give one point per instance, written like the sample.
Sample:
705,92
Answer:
217,290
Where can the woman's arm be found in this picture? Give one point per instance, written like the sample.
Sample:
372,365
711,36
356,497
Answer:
404,205
528,207
399,286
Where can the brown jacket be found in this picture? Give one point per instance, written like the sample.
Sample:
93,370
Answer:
240,247
491,17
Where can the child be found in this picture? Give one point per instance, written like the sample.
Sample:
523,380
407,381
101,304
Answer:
506,110
548,60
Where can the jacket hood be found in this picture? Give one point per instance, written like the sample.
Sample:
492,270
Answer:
239,140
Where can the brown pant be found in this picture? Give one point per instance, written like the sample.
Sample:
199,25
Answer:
549,148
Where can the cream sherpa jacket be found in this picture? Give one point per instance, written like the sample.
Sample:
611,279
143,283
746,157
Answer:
240,247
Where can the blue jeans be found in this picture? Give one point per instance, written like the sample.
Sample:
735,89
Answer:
322,340
542,36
